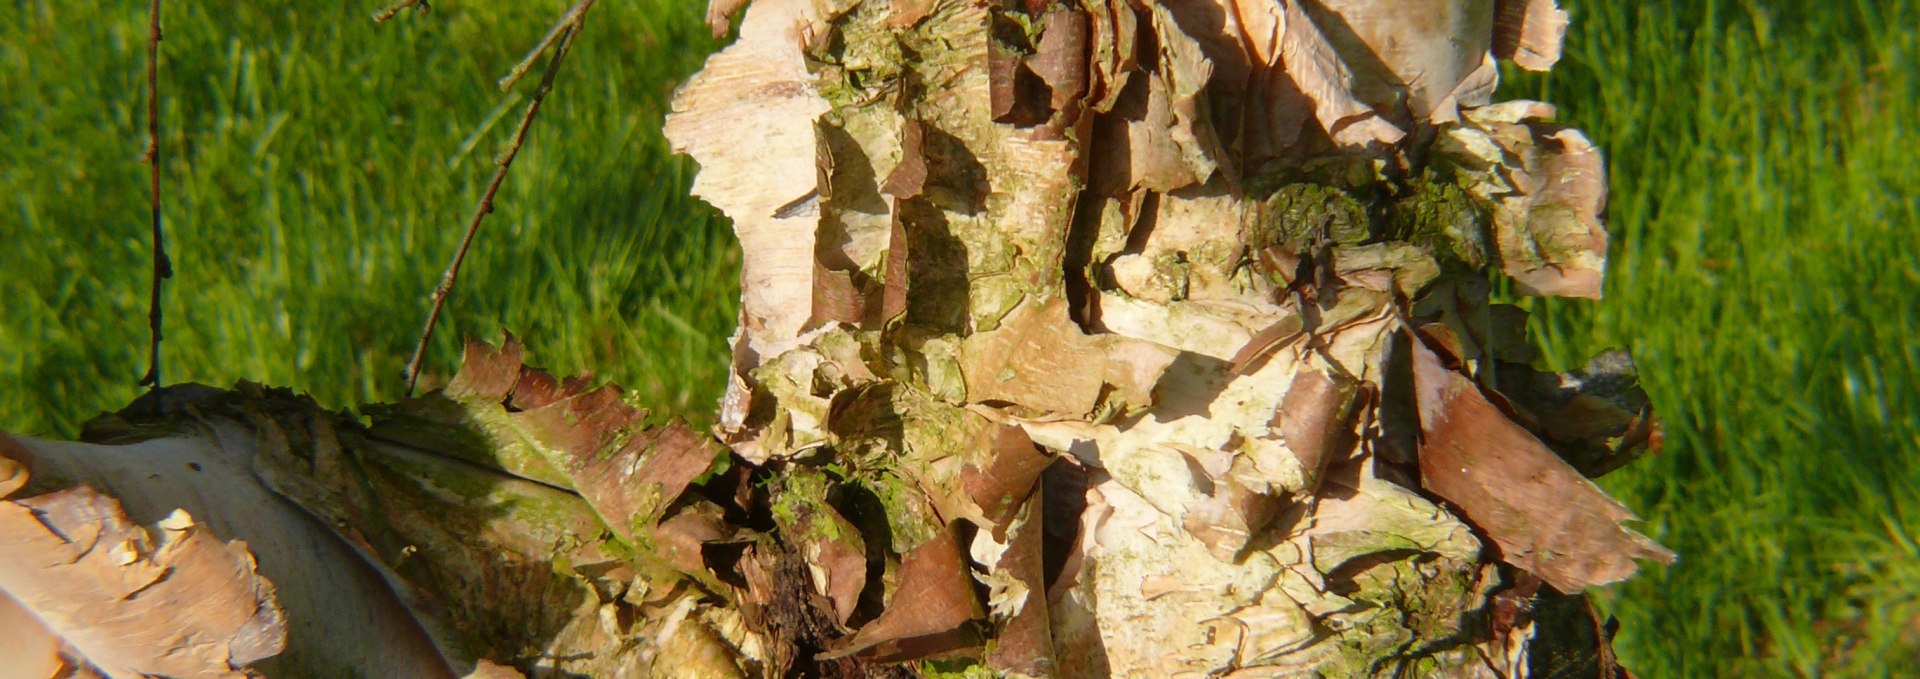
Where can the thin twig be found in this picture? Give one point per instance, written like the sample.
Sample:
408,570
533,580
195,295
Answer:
162,267
505,161
570,19
419,6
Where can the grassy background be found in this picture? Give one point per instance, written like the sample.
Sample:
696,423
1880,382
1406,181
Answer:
319,168
321,171
1765,205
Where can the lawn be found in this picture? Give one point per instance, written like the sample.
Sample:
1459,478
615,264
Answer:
1764,271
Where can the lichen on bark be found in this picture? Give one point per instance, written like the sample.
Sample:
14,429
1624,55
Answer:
1078,338
1181,247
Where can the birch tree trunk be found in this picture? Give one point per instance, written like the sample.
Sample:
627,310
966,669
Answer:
1090,339
1169,322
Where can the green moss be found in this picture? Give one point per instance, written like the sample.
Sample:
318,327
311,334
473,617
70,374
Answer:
858,58
1413,606
886,435
910,520
956,668
928,360
798,497
1443,217
1295,214
1171,273
476,432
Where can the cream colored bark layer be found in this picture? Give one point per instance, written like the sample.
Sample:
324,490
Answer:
1181,245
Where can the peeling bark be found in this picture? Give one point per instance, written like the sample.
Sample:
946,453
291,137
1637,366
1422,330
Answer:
1182,244
1084,339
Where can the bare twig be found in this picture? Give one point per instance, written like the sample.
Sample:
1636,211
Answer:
162,267
419,6
569,29
569,20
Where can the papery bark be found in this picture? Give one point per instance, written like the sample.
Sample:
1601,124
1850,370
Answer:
1188,247
1081,339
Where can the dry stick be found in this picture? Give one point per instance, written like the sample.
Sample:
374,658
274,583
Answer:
505,161
570,19
162,267
383,15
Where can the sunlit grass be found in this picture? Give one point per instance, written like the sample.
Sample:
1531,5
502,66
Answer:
317,182
1765,199
1765,205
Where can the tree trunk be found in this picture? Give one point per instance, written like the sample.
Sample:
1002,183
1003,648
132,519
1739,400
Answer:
1167,297
1077,339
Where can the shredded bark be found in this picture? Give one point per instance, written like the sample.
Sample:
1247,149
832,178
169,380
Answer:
1545,517
1023,636
130,604
931,614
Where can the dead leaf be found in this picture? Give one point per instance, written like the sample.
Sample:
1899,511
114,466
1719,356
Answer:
836,299
1562,249
1236,500
1060,60
840,558
1318,71
1114,28
893,296
1013,89
720,15
1597,418
686,529
488,373
1547,184
591,441
1545,517
1263,343
1184,71
904,14
834,551
1158,161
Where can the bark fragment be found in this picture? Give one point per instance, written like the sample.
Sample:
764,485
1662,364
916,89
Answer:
930,615
759,84
1545,516
1529,32
128,603
1547,205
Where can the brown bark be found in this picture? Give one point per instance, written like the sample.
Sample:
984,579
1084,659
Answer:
1082,339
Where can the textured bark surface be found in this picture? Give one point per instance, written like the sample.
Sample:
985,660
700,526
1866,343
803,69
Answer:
1226,264
1078,339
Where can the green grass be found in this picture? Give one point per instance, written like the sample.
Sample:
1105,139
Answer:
1765,199
319,172
1765,204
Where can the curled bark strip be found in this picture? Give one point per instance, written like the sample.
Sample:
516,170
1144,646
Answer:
931,613
1545,517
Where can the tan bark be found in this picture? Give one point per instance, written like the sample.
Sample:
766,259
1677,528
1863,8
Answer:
1183,246
1089,339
